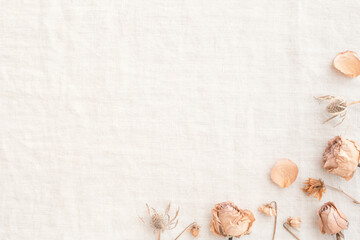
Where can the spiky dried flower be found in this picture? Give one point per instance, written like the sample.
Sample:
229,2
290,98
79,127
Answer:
314,186
337,107
160,222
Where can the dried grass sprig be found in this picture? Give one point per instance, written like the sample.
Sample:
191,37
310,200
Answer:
337,107
161,222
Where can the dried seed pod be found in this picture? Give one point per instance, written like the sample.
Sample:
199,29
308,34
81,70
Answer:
284,173
347,63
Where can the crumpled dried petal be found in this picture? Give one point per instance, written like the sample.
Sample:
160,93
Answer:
347,63
267,209
284,172
331,219
341,157
294,222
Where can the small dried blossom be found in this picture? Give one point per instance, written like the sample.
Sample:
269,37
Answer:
160,222
337,107
294,222
314,186
267,209
195,230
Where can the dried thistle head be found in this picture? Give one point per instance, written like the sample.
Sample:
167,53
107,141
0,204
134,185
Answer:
160,222
314,186
195,230
267,209
294,222
337,107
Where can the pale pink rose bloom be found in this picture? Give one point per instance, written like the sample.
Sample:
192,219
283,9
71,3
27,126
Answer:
331,220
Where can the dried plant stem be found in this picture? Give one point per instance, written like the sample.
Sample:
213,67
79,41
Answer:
159,235
184,230
352,103
275,204
339,236
339,190
286,226
230,238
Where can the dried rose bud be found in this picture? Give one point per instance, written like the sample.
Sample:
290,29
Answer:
341,157
195,230
230,221
267,209
294,222
331,220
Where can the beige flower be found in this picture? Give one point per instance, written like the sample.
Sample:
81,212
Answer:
331,220
230,221
267,209
294,222
341,157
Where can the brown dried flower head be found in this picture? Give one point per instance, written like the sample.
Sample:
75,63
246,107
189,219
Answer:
314,186
347,63
331,219
230,221
267,209
341,157
294,222
195,230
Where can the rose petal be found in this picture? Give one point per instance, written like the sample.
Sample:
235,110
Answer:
347,63
284,173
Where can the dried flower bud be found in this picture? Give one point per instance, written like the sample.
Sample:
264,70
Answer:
347,63
230,221
195,230
267,209
331,220
294,222
314,186
284,172
341,157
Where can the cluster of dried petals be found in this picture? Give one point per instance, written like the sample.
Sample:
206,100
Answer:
267,209
347,63
294,222
230,221
331,219
314,186
284,173
341,157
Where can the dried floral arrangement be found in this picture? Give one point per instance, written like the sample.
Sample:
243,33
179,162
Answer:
341,157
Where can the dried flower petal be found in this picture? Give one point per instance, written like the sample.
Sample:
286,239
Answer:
195,230
284,172
267,209
314,186
294,222
347,63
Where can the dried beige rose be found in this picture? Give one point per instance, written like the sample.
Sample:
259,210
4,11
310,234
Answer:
294,222
347,63
341,157
331,219
230,221
284,172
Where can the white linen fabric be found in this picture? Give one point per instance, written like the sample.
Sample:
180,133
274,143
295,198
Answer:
108,105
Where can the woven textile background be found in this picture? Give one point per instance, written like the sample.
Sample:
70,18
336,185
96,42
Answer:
108,105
